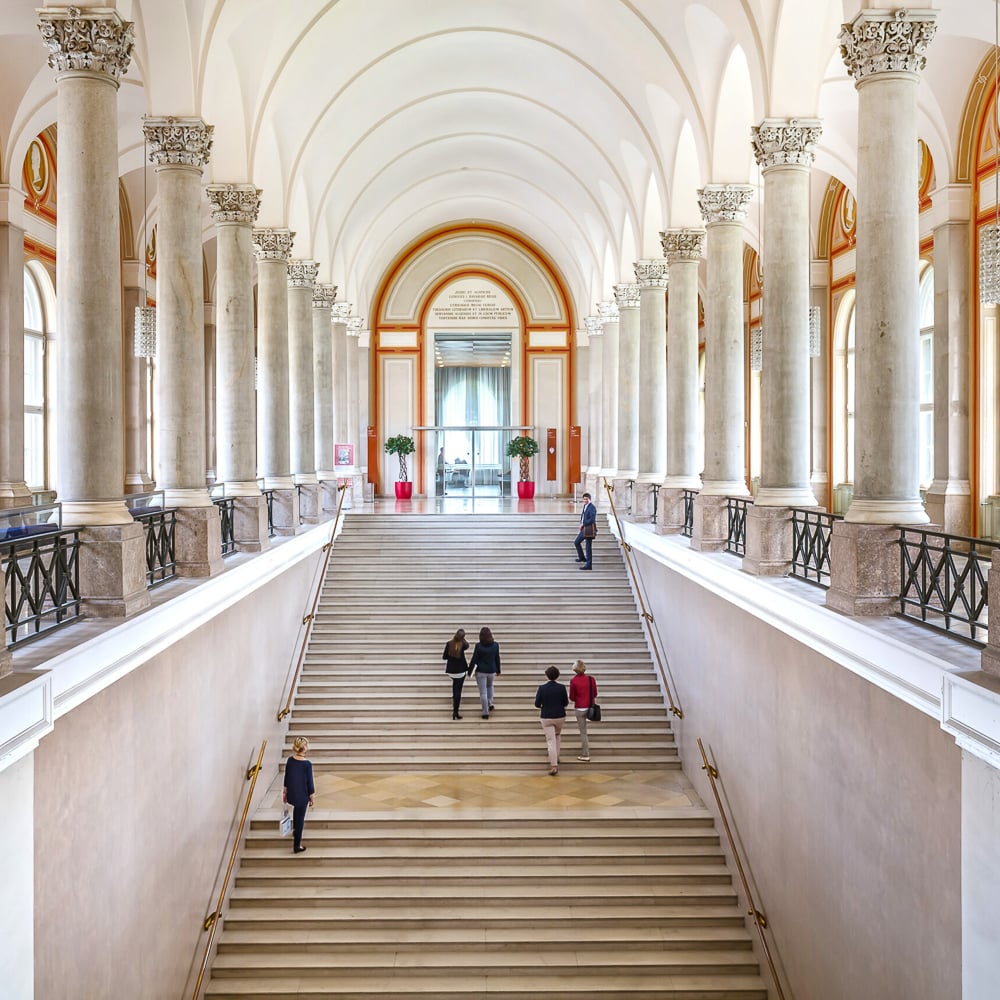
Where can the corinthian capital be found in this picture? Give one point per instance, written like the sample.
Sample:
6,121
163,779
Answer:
652,273
273,244
683,244
627,296
724,202
302,273
98,40
777,141
886,41
354,325
234,203
341,311
182,141
594,326
608,312
324,296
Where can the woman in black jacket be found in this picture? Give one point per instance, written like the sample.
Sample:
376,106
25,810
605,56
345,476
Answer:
552,699
486,662
456,668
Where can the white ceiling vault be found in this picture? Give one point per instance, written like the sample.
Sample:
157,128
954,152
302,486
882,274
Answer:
587,125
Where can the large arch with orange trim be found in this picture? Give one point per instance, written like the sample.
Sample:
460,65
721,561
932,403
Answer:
534,305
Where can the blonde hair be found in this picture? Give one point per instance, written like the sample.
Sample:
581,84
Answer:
579,667
301,745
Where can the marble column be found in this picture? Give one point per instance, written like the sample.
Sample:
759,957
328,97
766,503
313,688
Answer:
884,52
211,456
274,464
90,51
949,496
301,396
180,148
819,375
137,464
627,297
608,314
234,211
652,278
14,490
364,360
683,250
339,314
323,298
723,209
595,433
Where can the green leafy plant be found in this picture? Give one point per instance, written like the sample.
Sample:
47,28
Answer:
523,448
400,445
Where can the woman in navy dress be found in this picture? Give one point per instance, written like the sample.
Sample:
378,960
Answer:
456,668
299,790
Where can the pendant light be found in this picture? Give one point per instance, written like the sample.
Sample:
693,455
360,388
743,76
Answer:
144,330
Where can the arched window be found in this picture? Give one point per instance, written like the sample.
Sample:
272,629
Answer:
842,403
926,376
39,311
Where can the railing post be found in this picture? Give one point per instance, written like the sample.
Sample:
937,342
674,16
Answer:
991,654
768,541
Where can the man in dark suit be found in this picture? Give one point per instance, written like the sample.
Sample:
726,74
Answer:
587,533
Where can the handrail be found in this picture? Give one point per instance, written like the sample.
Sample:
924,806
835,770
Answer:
759,920
310,618
662,661
212,920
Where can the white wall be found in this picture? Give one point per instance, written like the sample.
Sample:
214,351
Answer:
16,881
136,794
846,799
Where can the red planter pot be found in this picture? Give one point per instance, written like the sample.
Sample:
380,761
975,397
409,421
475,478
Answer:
525,490
404,491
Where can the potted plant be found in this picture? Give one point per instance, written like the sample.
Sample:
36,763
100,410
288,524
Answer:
401,445
523,448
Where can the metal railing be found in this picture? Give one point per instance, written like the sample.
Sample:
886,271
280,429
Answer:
736,535
811,534
688,530
227,519
308,620
662,662
655,490
160,527
41,583
759,919
212,920
944,581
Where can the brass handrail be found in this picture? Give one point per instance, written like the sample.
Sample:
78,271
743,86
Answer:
212,920
308,619
661,659
759,920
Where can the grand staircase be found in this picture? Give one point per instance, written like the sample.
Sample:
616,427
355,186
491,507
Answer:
495,880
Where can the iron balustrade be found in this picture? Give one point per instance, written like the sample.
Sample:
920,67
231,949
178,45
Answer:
736,535
269,497
160,527
811,534
944,581
688,530
227,519
655,490
41,583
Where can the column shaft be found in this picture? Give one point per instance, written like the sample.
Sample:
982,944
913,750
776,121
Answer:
137,465
609,390
627,297
301,279
652,278
338,336
595,377
13,489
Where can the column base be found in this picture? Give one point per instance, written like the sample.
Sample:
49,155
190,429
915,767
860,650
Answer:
670,511
880,511
710,523
642,503
95,513
188,499
138,482
285,511
948,504
198,542
724,488
785,496
238,488
309,503
113,571
991,654
250,524
769,541
864,569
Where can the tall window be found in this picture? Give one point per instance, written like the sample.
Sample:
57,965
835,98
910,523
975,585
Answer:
926,376
38,309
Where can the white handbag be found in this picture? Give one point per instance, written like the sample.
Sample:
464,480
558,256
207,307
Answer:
285,823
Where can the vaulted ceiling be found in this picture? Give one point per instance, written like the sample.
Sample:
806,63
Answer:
587,125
